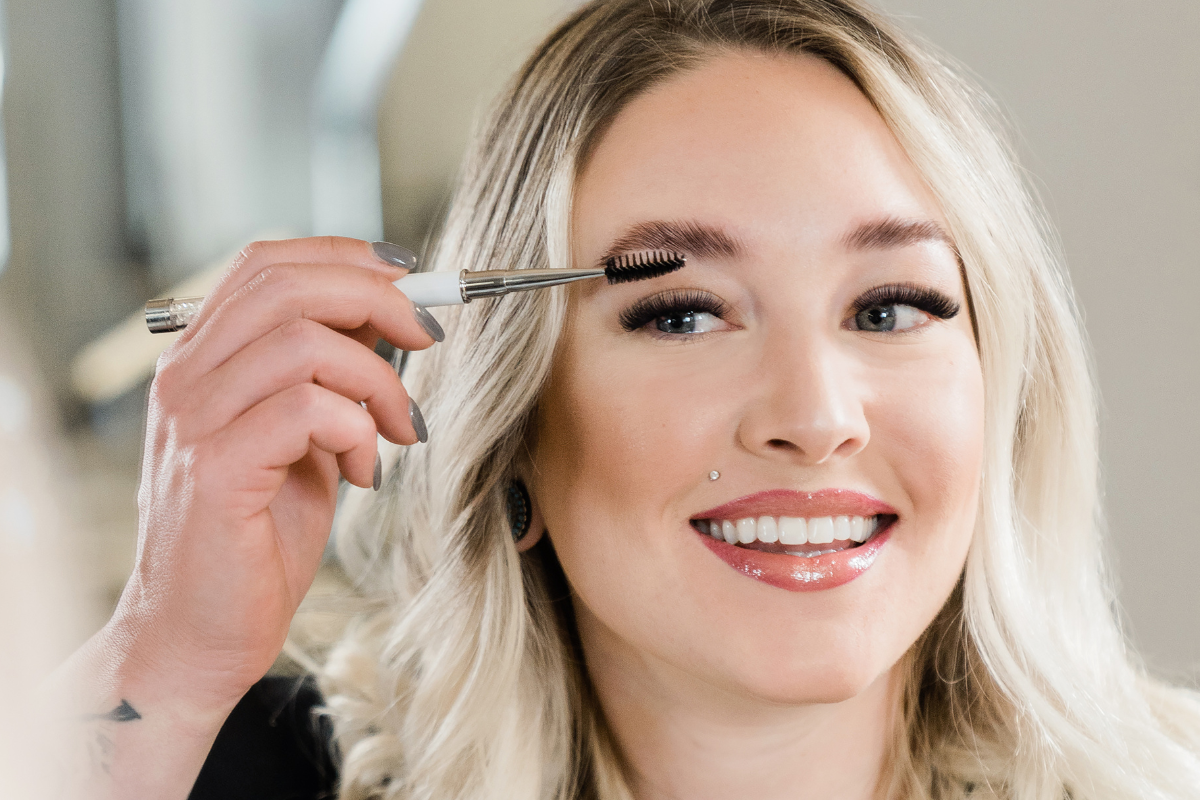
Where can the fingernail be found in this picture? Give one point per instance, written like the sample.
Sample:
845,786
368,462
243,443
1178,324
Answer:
394,254
429,323
418,421
377,481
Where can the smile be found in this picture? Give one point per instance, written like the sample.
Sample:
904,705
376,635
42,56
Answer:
794,536
799,541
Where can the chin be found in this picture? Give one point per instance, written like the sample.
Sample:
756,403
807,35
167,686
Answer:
811,682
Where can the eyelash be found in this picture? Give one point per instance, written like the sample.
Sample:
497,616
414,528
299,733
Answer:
931,301
676,301
680,301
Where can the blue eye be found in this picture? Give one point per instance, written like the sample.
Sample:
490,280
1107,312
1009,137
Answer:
900,307
678,312
889,318
687,322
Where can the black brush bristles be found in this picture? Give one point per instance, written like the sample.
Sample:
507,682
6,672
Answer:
639,266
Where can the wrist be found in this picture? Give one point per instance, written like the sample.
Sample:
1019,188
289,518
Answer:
133,664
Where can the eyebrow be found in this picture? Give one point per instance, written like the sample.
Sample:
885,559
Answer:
691,238
883,234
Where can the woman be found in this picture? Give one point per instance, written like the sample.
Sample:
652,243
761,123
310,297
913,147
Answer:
814,516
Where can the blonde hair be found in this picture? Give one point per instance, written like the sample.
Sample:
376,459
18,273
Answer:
464,679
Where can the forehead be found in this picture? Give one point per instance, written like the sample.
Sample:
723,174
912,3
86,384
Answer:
770,145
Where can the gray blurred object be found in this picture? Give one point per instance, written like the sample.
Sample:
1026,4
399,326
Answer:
215,98
5,235
346,194
239,117
67,276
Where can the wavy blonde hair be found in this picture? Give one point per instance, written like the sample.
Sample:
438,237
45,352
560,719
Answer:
464,679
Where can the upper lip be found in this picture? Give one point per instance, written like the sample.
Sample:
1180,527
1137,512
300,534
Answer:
789,503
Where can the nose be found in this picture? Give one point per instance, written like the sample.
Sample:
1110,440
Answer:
807,406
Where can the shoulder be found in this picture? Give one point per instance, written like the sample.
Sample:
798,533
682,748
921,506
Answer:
276,745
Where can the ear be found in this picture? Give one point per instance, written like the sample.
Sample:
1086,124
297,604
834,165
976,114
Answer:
536,526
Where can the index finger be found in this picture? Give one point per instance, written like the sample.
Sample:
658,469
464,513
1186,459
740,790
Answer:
385,258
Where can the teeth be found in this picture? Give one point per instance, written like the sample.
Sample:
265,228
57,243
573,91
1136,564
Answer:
791,530
841,529
859,528
820,530
767,530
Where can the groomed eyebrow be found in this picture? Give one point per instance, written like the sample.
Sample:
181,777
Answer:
692,238
883,234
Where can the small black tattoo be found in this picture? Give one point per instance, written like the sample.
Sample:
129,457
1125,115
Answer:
122,713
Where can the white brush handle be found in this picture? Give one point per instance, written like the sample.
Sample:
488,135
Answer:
432,288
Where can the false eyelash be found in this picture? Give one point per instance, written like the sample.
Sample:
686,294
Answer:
923,298
674,301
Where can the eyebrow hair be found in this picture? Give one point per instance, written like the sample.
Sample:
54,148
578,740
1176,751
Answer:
691,238
889,232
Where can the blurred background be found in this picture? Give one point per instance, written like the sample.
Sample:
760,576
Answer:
146,141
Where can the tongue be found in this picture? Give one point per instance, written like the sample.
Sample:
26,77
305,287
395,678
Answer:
805,550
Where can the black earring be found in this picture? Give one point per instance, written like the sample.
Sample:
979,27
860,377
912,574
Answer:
520,509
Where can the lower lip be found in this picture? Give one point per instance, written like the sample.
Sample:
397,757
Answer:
798,573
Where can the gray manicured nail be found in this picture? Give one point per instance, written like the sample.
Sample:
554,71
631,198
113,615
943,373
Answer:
418,421
394,254
429,323
377,481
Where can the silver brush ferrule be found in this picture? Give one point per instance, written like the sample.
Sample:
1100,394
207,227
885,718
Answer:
496,282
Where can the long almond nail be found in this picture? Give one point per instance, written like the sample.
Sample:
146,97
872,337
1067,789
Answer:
377,481
429,323
394,254
418,421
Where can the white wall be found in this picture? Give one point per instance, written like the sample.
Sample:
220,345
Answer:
1105,95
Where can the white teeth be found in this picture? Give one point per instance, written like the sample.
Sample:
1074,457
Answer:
820,530
793,530
767,530
858,529
841,529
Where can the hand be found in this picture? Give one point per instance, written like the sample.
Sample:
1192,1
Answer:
271,392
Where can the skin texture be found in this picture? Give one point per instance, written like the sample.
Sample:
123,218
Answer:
714,684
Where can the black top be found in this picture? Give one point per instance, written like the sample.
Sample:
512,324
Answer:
272,747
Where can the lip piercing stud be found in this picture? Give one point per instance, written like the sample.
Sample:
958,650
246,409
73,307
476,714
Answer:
712,476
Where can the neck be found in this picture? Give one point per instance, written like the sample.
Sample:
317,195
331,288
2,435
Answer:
685,739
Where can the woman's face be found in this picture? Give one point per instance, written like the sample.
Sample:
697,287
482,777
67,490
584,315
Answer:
816,351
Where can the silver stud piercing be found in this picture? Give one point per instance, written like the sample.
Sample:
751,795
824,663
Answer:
712,476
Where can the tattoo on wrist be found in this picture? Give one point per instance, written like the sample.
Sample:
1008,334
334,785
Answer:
100,743
122,713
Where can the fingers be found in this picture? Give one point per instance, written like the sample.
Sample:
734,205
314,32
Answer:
387,260
300,351
343,297
248,460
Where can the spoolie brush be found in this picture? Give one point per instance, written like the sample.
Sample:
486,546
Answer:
640,266
448,289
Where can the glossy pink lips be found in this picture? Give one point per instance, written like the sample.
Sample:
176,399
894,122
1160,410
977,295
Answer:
798,573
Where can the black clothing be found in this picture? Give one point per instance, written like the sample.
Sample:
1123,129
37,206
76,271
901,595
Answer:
272,747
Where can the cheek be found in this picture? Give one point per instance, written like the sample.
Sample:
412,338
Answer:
929,437
619,453
621,450
929,428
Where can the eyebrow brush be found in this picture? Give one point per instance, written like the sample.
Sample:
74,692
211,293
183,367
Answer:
449,289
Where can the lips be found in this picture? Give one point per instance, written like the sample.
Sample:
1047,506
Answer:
798,541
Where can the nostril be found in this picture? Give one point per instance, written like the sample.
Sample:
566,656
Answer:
781,444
